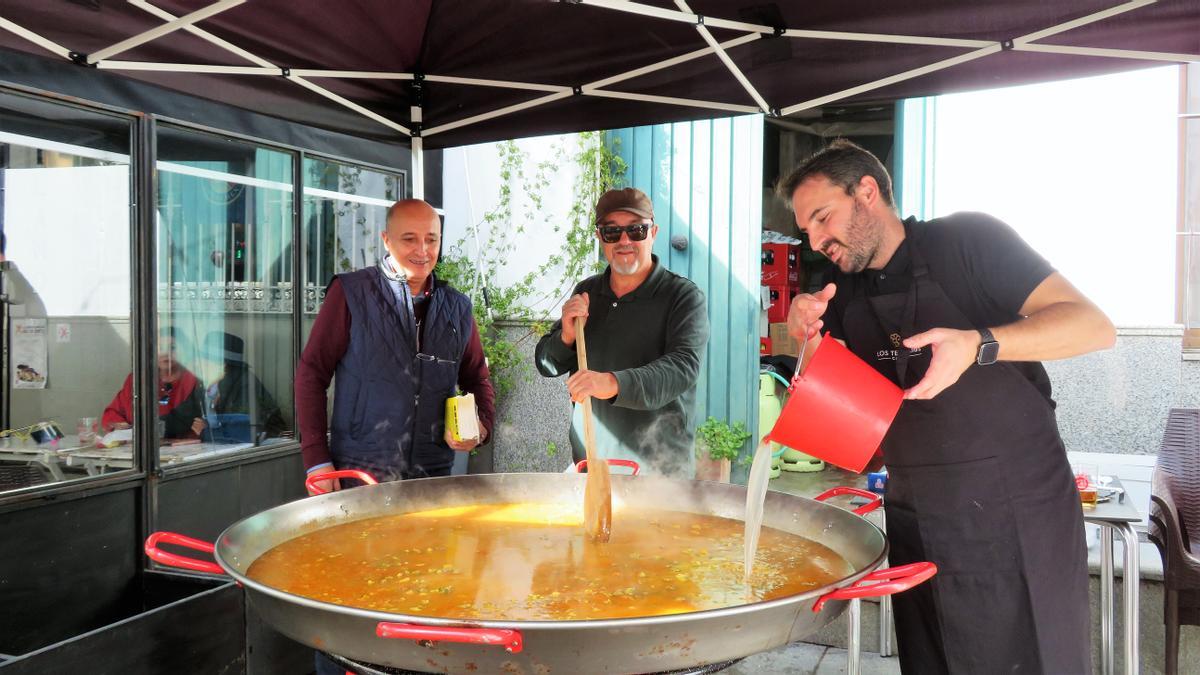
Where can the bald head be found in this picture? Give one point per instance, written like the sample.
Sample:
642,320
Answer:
412,238
412,210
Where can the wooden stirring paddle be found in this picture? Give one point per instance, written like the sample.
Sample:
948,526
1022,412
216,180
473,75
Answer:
597,491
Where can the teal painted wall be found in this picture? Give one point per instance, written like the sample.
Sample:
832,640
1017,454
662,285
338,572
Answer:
706,181
915,146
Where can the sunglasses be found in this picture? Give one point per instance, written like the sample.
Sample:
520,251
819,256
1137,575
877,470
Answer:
611,234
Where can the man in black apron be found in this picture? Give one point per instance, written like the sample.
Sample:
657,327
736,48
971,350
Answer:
959,311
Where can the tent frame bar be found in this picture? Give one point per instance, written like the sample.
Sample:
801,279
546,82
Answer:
971,56
673,61
1108,53
729,64
979,49
892,79
43,42
671,100
498,113
885,38
1084,20
202,34
253,58
155,66
159,31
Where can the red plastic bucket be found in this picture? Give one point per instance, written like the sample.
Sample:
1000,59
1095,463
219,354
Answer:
839,409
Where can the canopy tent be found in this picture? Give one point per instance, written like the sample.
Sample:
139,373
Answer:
442,74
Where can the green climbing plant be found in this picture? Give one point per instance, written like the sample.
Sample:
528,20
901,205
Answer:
526,302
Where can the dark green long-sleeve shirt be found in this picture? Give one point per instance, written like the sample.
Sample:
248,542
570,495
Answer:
653,341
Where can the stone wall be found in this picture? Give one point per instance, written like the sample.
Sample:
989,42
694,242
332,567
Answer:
533,420
1117,400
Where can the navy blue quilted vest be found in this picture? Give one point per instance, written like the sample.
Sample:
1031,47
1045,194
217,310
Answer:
389,404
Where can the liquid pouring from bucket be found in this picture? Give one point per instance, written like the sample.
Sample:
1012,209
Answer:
756,492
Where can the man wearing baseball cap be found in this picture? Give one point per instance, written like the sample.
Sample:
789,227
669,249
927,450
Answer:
646,329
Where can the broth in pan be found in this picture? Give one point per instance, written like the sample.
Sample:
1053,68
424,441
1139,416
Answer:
532,561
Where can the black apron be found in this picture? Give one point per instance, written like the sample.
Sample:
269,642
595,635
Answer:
978,484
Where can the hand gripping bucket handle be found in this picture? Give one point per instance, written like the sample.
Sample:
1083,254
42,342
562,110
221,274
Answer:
839,409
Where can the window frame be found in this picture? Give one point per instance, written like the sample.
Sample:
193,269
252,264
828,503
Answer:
317,286
136,473
144,289
1187,256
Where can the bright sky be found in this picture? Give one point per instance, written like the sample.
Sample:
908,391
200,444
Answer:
1085,170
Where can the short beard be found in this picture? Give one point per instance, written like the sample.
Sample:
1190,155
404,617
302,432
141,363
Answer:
862,240
627,270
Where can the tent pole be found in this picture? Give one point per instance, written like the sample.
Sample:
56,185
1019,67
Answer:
418,155
418,169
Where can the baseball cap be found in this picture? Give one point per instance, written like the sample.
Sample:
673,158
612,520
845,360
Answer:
628,199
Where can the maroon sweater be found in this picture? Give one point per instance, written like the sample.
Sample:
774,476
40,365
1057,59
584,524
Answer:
327,344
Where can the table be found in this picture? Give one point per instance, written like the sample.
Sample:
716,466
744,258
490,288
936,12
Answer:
1117,515
68,451
1112,516
98,460
51,456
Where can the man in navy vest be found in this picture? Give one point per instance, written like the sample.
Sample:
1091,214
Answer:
399,341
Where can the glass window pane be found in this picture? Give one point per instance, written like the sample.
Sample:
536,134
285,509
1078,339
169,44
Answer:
65,217
345,211
224,295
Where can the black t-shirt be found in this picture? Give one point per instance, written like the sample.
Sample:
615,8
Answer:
982,265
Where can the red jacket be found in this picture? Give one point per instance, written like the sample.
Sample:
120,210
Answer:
177,393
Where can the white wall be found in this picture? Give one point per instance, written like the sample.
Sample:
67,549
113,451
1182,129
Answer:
68,229
84,374
1085,170
471,176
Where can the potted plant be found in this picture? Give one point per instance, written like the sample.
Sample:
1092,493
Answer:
717,445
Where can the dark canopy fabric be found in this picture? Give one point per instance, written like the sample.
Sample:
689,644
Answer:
568,44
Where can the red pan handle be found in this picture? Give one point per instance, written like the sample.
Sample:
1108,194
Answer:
893,580
863,510
627,463
175,560
311,480
511,640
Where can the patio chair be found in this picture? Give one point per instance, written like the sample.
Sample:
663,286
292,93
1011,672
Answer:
1174,509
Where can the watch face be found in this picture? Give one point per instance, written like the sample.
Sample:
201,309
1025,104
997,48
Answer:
988,353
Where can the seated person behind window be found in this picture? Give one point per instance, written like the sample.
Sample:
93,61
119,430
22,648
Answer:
237,400
180,397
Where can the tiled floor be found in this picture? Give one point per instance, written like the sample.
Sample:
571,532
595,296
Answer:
802,658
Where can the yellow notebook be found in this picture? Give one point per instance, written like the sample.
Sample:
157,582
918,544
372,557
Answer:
461,417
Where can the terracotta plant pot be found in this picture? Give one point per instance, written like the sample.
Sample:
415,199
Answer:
712,469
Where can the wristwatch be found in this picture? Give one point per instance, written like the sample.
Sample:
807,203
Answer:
989,349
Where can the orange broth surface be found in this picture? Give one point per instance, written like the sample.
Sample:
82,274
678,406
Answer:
532,561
